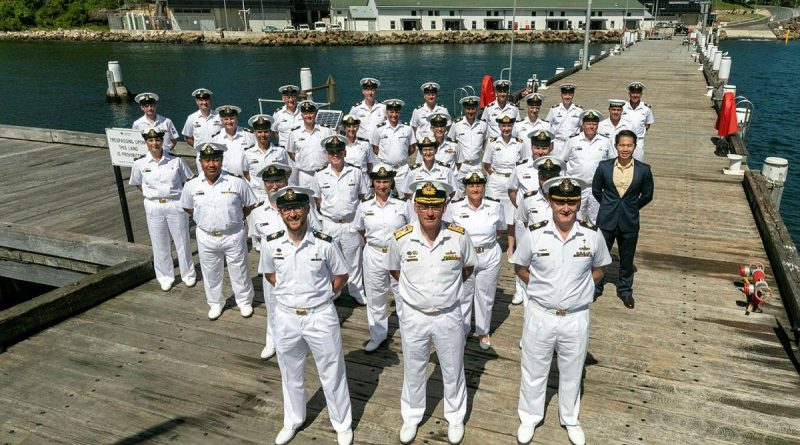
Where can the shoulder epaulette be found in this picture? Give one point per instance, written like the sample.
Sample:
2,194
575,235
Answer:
588,225
249,130
234,175
275,235
139,157
216,133
368,197
381,124
460,118
576,105
443,164
295,128
531,193
458,200
537,226
520,140
404,123
259,204
321,168
420,107
647,105
416,166
492,139
455,228
522,161
278,109
449,140
323,236
555,105
362,139
492,103
491,199
403,231
357,104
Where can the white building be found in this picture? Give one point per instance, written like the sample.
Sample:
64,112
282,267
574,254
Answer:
408,15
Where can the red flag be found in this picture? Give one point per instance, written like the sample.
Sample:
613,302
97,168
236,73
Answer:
726,119
487,90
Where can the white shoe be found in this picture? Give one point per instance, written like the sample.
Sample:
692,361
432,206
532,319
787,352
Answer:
575,434
517,299
215,311
190,283
455,433
407,433
487,345
525,434
345,437
284,436
372,345
267,352
166,286
247,310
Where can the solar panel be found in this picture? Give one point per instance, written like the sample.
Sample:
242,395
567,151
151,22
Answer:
329,118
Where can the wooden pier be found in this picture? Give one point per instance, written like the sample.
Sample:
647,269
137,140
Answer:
687,366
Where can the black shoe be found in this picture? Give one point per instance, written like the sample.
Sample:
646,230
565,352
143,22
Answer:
597,295
628,300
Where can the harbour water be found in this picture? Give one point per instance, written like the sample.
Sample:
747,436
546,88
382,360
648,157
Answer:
62,84
766,73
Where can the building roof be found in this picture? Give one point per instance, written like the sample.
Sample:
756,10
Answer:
363,12
344,4
631,5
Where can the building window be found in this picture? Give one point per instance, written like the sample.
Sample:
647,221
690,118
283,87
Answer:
552,13
452,13
433,24
612,24
497,13
599,13
430,13
392,25
413,13
474,24
533,13
488,13
436,13
593,13
629,14
510,24
563,13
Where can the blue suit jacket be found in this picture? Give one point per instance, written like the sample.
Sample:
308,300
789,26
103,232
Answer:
621,211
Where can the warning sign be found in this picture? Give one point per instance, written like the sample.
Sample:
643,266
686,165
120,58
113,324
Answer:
125,145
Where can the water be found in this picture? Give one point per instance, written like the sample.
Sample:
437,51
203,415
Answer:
63,84
766,73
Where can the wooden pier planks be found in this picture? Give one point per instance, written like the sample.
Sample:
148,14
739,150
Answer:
686,366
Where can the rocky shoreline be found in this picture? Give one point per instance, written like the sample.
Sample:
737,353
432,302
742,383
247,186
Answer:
304,38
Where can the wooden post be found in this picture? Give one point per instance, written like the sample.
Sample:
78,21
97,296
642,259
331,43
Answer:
123,202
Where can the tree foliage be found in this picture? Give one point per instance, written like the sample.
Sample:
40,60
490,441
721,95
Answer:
16,15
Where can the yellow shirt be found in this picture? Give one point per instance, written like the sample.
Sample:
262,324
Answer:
623,176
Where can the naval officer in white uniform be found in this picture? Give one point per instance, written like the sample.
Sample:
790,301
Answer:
149,104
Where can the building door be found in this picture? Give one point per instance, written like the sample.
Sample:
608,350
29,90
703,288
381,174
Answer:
454,25
493,24
412,24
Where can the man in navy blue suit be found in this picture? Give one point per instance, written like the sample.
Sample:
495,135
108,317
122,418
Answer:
622,186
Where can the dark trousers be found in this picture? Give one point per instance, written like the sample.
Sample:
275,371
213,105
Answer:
626,244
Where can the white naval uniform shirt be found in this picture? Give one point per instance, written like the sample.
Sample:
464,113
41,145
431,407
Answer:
582,155
309,155
233,160
202,128
525,176
639,117
370,118
493,111
339,195
607,129
218,206
470,139
481,223
447,153
304,273
359,154
380,221
162,123
533,208
160,179
564,122
503,156
256,158
561,270
419,117
285,121
430,277
523,129
393,143
439,171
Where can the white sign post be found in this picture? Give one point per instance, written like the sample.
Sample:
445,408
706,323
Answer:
125,146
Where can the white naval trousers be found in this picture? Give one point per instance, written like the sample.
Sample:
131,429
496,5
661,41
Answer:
164,221
520,288
351,243
377,282
544,332
445,329
497,188
479,290
270,303
214,252
318,331
638,152
589,206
